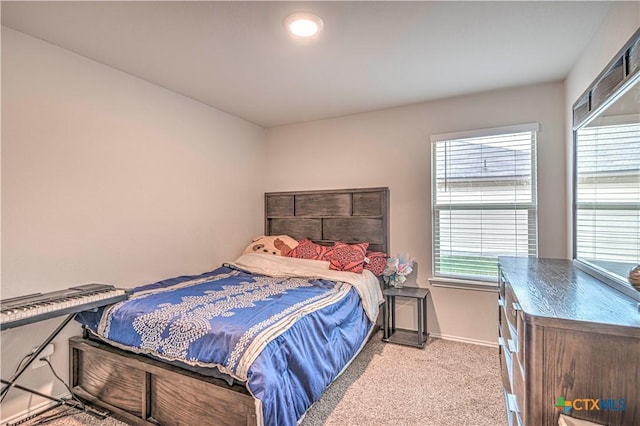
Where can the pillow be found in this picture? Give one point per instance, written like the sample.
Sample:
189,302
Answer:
375,261
348,257
307,249
279,245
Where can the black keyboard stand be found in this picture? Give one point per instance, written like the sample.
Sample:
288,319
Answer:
34,356
11,383
59,402
71,311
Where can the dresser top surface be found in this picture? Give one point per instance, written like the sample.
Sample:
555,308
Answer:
555,289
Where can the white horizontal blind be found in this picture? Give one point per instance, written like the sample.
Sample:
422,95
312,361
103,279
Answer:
608,197
484,202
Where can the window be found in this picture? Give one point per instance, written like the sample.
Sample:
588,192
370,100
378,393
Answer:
484,200
608,195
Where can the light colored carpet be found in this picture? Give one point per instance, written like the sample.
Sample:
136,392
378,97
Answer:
447,383
65,416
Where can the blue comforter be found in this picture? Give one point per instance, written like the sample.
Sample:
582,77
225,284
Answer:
287,338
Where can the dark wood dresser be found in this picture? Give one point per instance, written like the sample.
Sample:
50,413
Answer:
566,339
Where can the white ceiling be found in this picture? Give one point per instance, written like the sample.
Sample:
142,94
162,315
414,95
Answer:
236,56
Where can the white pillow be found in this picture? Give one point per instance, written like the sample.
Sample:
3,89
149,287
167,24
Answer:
279,245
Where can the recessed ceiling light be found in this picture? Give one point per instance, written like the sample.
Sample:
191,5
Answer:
303,24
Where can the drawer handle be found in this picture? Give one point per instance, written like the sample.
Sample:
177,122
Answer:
515,307
512,404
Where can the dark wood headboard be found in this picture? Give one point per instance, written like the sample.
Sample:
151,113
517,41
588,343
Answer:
346,215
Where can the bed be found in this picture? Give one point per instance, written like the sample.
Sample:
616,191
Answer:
305,324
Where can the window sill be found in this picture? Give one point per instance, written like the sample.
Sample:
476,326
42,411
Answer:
464,284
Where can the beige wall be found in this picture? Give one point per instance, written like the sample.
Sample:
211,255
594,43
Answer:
108,178
616,29
391,148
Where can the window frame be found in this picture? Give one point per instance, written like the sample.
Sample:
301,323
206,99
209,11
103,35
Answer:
479,282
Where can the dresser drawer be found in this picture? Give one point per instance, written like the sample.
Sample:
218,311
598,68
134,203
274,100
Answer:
506,365
518,387
511,306
519,337
501,283
503,325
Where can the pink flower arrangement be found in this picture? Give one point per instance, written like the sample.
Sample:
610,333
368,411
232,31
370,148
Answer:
397,268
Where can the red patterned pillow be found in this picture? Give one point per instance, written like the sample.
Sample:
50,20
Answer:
377,261
307,249
348,257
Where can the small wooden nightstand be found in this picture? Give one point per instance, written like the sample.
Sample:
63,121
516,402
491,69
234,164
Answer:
401,336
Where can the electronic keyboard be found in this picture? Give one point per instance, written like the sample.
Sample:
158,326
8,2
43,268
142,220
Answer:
32,308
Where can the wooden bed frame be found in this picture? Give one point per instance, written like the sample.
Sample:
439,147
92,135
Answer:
143,391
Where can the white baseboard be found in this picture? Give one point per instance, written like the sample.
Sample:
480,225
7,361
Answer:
35,409
464,340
